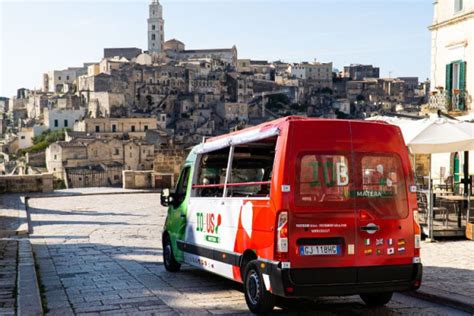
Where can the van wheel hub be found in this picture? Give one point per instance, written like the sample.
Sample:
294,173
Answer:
253,287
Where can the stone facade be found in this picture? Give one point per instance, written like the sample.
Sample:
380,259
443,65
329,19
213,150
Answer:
169,161
26,183
319,73
118,127
101,155
361,72
56,119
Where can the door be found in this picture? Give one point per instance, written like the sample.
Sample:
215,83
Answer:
322,230
385,227
176,220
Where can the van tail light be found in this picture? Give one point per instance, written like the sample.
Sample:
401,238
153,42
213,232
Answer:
282,236
417,232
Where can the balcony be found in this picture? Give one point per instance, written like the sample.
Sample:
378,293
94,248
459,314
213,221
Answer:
455,101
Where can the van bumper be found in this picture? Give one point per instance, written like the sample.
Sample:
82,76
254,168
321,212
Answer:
344,281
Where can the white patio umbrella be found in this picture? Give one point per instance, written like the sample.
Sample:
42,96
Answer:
439,136
435,135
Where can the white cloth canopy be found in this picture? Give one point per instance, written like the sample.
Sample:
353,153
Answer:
434,134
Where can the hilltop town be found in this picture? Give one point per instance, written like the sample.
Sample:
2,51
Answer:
130,117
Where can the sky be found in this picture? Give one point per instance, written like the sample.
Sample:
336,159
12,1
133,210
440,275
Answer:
39,36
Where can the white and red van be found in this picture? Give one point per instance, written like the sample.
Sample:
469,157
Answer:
299,207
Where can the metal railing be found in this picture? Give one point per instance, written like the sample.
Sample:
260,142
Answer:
456,100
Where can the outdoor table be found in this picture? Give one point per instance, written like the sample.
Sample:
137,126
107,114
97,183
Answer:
457,199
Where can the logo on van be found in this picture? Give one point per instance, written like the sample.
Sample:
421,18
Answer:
209,223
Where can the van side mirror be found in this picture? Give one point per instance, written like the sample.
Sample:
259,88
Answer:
166,198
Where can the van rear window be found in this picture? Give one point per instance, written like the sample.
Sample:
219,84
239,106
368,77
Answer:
373,182
383,189
323,178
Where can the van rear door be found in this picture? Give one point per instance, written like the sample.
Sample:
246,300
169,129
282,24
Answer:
322,219
385,230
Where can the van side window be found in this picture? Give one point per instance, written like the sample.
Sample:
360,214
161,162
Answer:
212,172
182,185
250,176
252,169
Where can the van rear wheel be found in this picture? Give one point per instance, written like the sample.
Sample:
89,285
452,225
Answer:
259,300
376,299
170,262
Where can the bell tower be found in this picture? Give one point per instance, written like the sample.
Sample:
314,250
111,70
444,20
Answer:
156,33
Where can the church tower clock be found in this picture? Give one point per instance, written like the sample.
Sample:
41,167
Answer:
156,33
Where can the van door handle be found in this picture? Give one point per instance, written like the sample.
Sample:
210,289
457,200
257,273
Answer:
371,228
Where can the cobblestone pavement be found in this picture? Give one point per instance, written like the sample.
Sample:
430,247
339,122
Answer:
102,255
449,266
8,266
9,212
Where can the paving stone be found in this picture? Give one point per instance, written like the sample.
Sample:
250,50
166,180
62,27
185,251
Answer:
107,260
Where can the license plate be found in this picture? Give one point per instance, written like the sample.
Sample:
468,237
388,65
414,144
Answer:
320,250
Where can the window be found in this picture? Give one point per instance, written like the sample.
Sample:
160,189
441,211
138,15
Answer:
182,186
458,5
114,128
212,173
145,127
323,178
59,77
23,137
55,157
153,27
97,128
67,77
116,151
250,176
66,123
56,123
383,191
133,128
153,37
116,177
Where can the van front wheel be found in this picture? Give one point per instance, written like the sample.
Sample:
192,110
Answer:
170,262
376,299
259,300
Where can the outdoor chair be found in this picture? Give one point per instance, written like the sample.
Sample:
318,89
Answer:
437,210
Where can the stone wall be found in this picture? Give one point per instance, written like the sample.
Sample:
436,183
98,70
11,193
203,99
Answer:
147,180
169,161
137,179
26,183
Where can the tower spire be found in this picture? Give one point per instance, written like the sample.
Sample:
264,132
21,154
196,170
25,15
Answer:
156,24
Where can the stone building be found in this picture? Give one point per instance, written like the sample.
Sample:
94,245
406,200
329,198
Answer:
134,127
452,52
86,155
57,119
234,111
60,155
360,72
59,80
126,52
240,87
320,74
